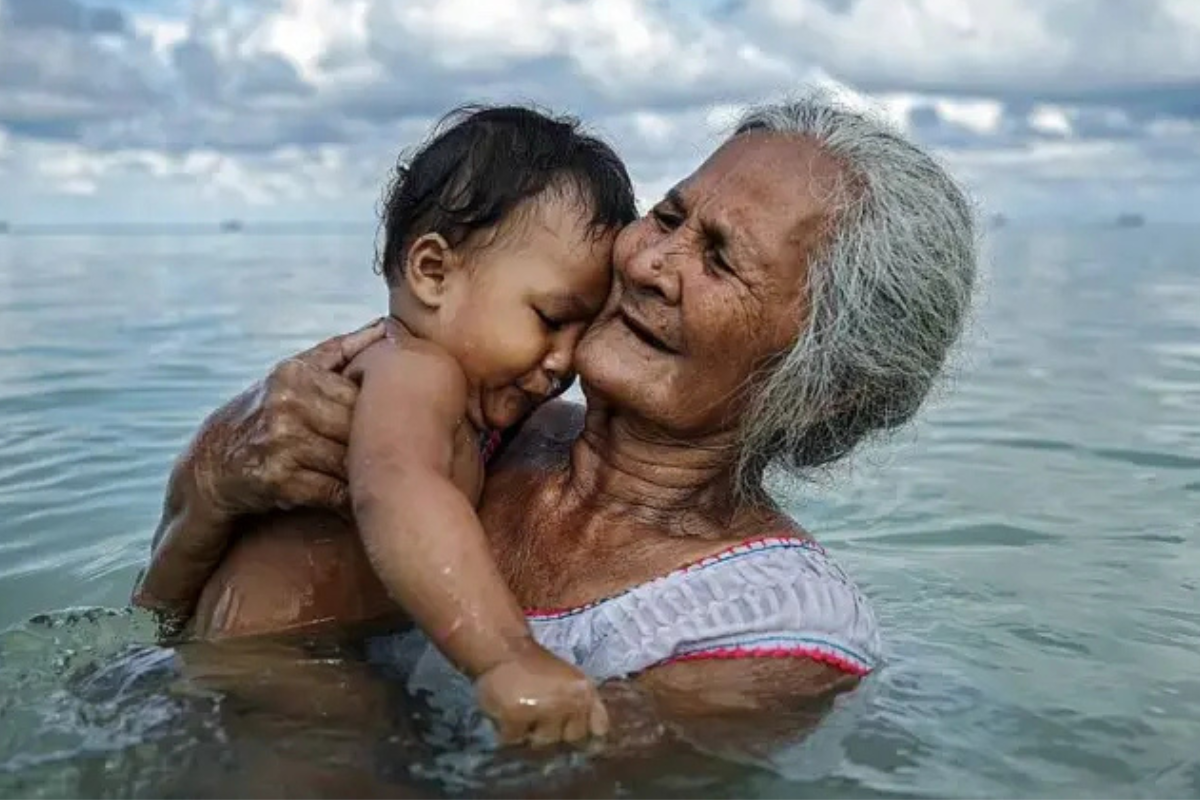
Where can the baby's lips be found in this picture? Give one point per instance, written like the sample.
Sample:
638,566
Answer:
532,395
544,387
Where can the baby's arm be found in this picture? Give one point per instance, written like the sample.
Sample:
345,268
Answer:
419,528
425,542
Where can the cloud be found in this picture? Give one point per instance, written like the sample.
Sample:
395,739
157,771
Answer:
65,66
300,106
1099,51
63,15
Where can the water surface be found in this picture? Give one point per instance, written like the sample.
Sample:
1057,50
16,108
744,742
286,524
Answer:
1032,545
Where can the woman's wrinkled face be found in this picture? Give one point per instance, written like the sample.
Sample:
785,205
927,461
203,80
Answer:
710,285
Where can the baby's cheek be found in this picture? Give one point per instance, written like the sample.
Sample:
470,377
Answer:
602,270
518,349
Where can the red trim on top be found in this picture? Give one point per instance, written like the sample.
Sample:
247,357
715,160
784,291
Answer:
815,654
746,545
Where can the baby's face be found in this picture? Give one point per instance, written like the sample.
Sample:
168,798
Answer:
515,316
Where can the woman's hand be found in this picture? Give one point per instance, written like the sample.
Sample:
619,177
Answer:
281,444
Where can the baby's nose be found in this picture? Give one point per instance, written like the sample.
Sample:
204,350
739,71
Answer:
558,360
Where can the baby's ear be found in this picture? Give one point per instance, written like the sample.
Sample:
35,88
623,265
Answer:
429,262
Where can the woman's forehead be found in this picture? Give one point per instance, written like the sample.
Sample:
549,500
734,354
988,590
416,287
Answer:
761,166
771,190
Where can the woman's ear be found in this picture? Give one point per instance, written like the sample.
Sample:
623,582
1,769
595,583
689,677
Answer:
429,262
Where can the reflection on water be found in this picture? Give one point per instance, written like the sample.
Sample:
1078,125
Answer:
1031,546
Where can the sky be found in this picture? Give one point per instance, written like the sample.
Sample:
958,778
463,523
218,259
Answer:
179,111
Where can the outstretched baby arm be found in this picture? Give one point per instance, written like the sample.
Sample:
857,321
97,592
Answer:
425,542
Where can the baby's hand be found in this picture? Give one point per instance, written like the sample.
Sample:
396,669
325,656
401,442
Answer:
540,699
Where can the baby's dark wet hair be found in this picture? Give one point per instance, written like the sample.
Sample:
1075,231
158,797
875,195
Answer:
482,162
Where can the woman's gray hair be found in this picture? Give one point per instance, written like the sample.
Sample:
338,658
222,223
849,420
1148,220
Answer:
888,295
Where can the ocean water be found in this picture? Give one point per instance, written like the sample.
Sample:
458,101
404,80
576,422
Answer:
1032,545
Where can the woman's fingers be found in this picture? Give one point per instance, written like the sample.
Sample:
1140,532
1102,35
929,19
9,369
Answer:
335,386
327,418
322,455
298,397
315,490
335,353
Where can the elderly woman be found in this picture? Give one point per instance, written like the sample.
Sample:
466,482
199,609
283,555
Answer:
796,294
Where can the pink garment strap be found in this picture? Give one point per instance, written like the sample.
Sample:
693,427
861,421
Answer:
489,442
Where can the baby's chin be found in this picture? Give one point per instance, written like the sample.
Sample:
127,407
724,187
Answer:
504,408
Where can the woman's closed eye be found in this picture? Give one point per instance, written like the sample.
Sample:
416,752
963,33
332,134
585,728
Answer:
717,261
666,219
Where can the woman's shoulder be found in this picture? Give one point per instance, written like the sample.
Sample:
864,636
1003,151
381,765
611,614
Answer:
559,419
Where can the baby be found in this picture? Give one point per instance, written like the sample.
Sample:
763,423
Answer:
498,234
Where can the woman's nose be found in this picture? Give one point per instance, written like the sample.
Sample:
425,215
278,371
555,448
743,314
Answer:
652,264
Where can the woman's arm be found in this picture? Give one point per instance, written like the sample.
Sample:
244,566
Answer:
708,719
280,444
693,689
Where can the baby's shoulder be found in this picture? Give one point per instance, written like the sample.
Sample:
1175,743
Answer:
411,358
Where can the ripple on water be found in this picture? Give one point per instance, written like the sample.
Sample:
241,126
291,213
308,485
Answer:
90,712
967,536
1144,458
97,709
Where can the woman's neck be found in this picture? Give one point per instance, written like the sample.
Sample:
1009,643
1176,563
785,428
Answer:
620,465
588,505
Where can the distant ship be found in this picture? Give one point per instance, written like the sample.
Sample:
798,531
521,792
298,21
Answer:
997,220
232,226
4,227
1130,220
